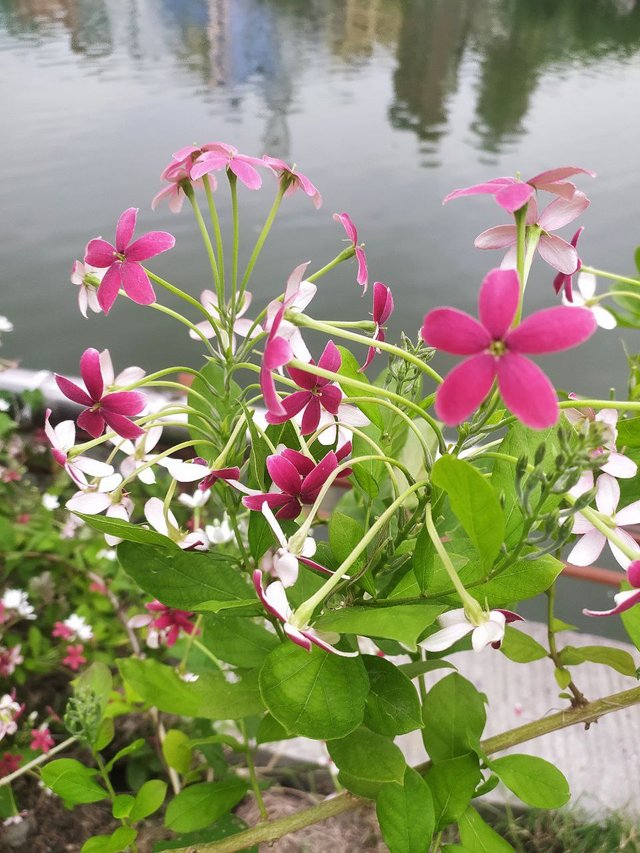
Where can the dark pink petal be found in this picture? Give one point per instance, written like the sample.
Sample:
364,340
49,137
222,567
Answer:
269,394
558,253
344,451
363,271
382,303
274,500
511,616
371,354
552,330
257,582
277,353
218,474
303,464
284,474
136,284
123,426
124,403
454,331
314,481
311,416
292,404
99,253
91,422
624,601
514,196
559,174
499,237
498,301
246,173
299,637
125,228
209,162
109,287
92,373
313,565
290,510
527,391
562,211
633,573
488,188
345,220
150,245
464,388
331,398
303,378
330,358
73,391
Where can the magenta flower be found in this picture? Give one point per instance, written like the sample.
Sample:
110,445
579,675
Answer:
559,254
299,480
511,194
218,155
277,353
497,352
231,475
298,294
169,622
74,658
352,233
177,174
41,739
294,180
382,310
63,438
122,261
564,281
626,599
114,409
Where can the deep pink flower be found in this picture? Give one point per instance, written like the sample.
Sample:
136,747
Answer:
41,739
352,233
74,659
9,763
277,353
299,480
511,194
295,180
177,173
564,281
122,261
62,630
626,599
215,474
170,622
497,352
382,310
114,409
218,155
559,254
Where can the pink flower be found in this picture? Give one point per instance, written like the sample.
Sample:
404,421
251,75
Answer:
9,763
114,409
62,630
456,625
614,463
62,438
122,261
511,194
241,327
559,254
10,659
74,658
275,601
294,180
277,353
352,233
496,351
178,173
167,621
231,475
382,310
298,294
41,739
219,155
589,547
626,599
564,281
87,295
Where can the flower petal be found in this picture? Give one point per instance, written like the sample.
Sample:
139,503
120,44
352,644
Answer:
284,474
498,237
619,465
72,391
445,638
330,358
498,301
150,245
99,253
311,416
514,196
109,287
454,331
246,173
136,283
527,391
314,481
464,388
487,188
629,514
562,211
551,176
618,553
587,549
607,494
624,601
91,373
558,253
552,330
124,403
125,228
91,422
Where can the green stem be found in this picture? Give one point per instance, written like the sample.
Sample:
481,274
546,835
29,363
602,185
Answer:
215,221
603,274
233,185
621,405
176,316
521,243
181,293
36,762
253,776
266,228
578,697
206,239
344,255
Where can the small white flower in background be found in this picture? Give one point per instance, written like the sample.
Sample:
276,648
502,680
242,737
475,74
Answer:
189,677
196,500
284,563
583,298
80,627
106,554
167,524
5,326
456,625
70,526
87,294
4,405
9,711
50,501
220,532
17,601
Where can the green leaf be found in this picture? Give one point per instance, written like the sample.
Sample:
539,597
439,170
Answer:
96,679
270,730
419,667
629,432
350,369
535,781
185,579
228,824
177,750
631,620
72,781
454,718
402,622
127,531
118,841
129,749
478,837
520,647
393,707
199,805
366,755
453,783
423,562
106,734
7,534
474,502
213,375
211,696
122,805
617,659
315,694
525,579
149,799
405,814
562,677
345,533
237,640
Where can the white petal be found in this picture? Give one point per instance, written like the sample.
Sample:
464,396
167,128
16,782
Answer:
587,549
447,637
92,467
584,484
452,617
277,600
106,367
604,318
90,503
630,514
65,435
286,567
587,284
352,416
619,465
147,475
154,513
128,376
607,494
621,557
184,472
581,524
272,521
485,634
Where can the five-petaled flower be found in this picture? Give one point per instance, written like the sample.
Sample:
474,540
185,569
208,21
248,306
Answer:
218,155
284,562
456,624
209,301
41,739
351,231
496,351
81,275
164,521
74,658
62,438
178,175
382,310
122,261
167,621
115,409
293,179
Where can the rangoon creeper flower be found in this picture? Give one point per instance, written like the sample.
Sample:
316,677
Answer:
166,523
166,621
218,155
351,231
456,625
497,352
139,454
126,377
10,659
103,495
559,254
50,501
563,281
41,739
220,532
122,261
298,294
114,409
195,501
62,438
626,599
178,174
284,565
74,658
614,463
512,194
87,294
585,298
15,603
589,547
9,712
209,300
275,601
77,628
294,180
382,310
5,325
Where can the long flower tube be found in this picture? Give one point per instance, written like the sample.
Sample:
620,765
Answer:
206,239
264,233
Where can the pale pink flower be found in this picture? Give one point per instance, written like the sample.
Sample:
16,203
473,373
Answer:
139,454
362,276
177,174
218,155
87,295
585,298
164,621
295,180
497,352
241,327
563,281
614,463
165,522
63,438
10,710
456,625
9,659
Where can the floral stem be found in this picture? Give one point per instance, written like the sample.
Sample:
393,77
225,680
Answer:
344,255
578,697
176,316
621,405
215,221
253,776
266,228
233,185
7,780
181,293
206,239
613,276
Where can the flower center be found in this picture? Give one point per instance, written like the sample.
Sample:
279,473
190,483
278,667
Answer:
497,348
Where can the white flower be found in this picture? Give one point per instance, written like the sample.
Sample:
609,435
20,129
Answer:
87,294
107,554
456,625
4,405
166,523
9,710
62,438
79,626
50,501
138,454
220,532
126,377
196,500
103,495
284,564
209,301
5,325
17,601
584,299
